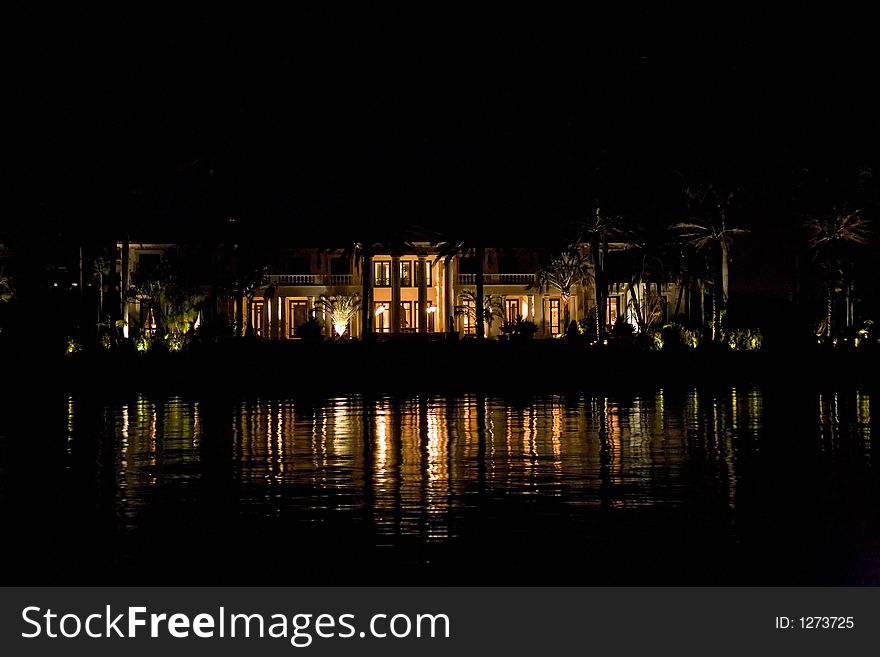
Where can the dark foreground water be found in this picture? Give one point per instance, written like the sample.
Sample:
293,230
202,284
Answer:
686,486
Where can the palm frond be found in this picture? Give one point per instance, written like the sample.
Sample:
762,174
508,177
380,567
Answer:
341,308
563,272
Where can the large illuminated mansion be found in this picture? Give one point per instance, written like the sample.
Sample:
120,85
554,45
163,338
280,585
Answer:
420,289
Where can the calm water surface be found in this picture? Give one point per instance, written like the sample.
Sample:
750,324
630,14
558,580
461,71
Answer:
733,486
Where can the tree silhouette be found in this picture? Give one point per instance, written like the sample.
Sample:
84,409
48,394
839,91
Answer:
598,231
493,308
829,237
706,231
563,272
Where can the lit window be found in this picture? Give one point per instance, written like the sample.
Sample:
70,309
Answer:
382,316
257,317
470,327
406,271
382,274
299,315
612,311
554,316
511,307
149,319
406,316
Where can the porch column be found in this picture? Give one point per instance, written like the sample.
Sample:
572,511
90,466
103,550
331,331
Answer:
395,294
423,294
267,315
539,314
282,318
366,323
311,313
276,305
449,308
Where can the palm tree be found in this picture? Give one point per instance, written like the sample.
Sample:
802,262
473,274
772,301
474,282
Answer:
493,308
341,308
691,272
174,300
563,272
598,231
100,272
365,259
648,261
829,236
709,234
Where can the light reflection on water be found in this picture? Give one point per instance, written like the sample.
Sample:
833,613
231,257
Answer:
409,466
738,485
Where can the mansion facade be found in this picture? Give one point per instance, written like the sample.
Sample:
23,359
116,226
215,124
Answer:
416,290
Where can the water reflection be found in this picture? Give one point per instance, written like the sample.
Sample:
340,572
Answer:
415,470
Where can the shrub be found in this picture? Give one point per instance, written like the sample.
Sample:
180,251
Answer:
216,328
175,342
73,346
622,330
744,339
143,344
573,331
676,337
866,333
587,325
520,328
309,330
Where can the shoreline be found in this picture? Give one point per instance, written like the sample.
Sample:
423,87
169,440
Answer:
534,367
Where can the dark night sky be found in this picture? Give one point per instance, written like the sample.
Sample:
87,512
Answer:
175,121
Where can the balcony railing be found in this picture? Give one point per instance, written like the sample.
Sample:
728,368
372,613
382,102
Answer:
326,280
497,279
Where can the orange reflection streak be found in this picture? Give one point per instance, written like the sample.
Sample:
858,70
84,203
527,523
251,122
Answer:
863,422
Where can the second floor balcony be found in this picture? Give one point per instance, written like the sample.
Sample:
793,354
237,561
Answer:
341,280
497,279
324,280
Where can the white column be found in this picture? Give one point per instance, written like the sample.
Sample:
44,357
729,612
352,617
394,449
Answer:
282,321
449,297
395,294
274,318
539,314
423,294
